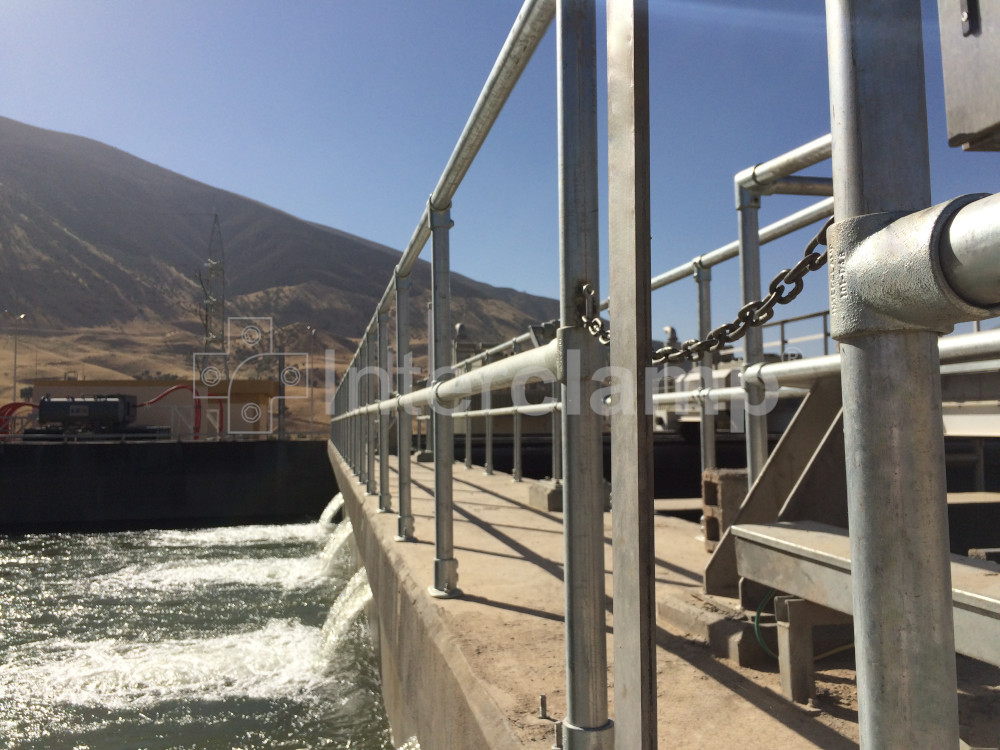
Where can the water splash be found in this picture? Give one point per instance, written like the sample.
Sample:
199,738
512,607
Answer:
345,609
238,536
328,557
331,510
276,660
287,573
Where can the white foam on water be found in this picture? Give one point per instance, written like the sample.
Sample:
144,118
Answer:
339,537
282,659
345,609
289,573
239,535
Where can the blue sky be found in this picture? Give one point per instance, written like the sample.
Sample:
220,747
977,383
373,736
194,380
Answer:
345,113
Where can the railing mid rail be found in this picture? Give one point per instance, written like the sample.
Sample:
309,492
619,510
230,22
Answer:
889,358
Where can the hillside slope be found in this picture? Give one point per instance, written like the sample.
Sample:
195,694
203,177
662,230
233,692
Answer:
91,237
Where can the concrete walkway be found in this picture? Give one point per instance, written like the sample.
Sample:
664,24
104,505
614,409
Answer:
508,630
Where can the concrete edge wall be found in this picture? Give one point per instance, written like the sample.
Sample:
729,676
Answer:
429,689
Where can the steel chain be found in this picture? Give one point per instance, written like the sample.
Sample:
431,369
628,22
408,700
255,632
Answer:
750,315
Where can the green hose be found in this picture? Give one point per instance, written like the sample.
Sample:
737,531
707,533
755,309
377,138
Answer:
756,625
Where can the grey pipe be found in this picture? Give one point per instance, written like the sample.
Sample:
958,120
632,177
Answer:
384,496
586,724
445,565
404,420
748,207
969,252
788,163
893,431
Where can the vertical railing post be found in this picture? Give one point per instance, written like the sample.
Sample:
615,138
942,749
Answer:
445,564
586,724
748,206
383,387
363,418
429,423
703,277
404,418
468,439
358,420
631,352
488,462
517,447
352,438
487,403
556,436
372,393
893,432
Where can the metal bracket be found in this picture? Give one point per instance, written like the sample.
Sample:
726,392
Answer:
701,271
886,274
439,218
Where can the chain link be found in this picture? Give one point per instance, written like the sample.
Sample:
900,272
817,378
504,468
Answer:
785,287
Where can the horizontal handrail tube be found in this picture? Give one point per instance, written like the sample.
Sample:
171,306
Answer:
523,338
952,349
796,319
796,339
798,185
527,410
728,393
786,164
969,253
493,376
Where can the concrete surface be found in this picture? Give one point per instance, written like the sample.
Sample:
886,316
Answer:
491,653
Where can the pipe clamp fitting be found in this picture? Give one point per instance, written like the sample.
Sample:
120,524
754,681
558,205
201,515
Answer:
886,275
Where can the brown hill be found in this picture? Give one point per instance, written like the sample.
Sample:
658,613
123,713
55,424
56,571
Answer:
92,237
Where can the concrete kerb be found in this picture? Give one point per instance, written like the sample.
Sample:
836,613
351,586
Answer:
445,704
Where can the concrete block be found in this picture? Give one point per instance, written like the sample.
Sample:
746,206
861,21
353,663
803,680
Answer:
546,495
992,554
722,493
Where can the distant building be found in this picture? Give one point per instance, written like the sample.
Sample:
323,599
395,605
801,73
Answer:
242,408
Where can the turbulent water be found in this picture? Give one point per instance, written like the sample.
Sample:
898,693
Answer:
245,637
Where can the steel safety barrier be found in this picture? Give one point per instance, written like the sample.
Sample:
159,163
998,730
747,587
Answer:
888,308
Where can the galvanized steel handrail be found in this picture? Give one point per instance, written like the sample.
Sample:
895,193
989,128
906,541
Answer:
952,349
513,343
761,176
492,376
528,410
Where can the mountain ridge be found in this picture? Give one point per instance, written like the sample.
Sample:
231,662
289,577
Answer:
93,236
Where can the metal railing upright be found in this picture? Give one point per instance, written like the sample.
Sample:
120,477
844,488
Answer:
889,361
